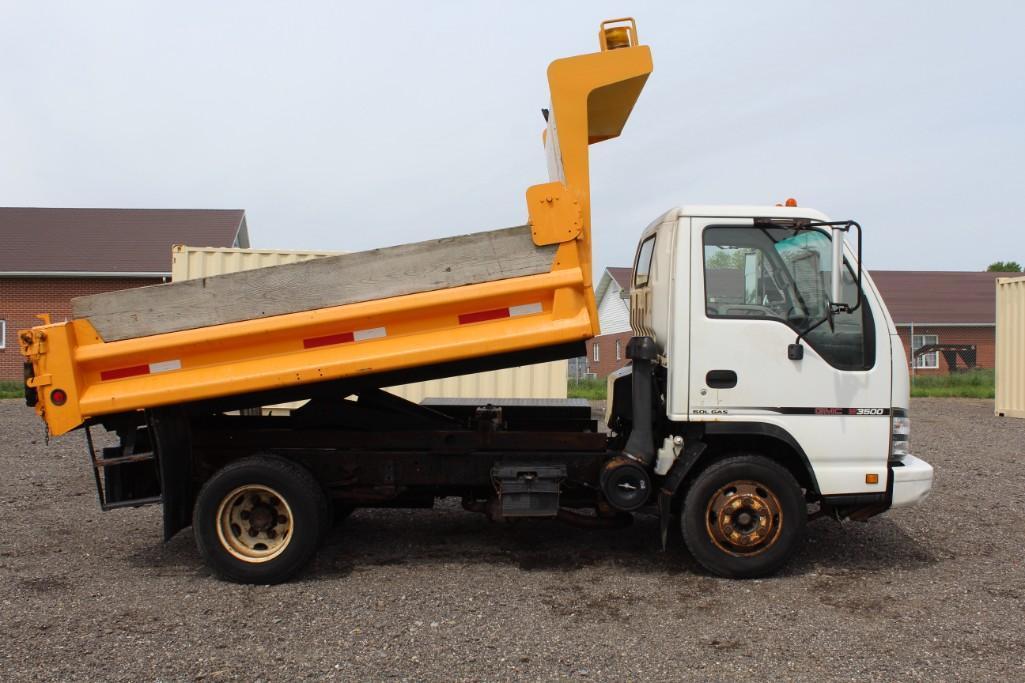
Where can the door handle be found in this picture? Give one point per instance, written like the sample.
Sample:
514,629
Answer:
721,379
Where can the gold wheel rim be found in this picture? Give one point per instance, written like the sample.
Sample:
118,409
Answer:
744,518
254,523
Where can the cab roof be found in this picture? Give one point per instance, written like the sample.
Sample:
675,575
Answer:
732,211
746,211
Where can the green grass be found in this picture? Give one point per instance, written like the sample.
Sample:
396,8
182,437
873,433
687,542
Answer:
591,389
974,384
11,389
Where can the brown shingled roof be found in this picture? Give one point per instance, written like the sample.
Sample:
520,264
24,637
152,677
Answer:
108,240
622,276
936,296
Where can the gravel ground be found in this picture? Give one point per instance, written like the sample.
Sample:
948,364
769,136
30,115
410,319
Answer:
929,593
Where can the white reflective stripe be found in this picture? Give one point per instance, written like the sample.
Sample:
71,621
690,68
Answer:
525,309
165,366
372,333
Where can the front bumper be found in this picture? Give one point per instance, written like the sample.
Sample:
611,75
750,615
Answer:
912,480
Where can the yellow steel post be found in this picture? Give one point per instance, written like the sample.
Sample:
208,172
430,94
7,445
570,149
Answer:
592,97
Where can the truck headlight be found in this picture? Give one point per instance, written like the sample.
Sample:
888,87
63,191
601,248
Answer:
900,436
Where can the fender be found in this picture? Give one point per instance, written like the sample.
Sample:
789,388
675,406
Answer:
769,430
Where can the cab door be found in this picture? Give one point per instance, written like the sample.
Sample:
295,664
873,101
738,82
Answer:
755,287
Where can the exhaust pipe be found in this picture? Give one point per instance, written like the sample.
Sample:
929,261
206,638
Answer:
625,480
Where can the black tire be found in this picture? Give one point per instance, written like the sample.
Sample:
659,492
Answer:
728,543
279,487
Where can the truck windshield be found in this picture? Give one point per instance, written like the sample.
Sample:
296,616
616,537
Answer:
783,274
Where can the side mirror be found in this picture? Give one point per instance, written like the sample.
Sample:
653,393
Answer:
836,286
837,305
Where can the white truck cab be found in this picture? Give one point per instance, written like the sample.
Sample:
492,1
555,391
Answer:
758,350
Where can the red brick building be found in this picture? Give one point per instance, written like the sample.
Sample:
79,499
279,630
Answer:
607,352
952,310
50,256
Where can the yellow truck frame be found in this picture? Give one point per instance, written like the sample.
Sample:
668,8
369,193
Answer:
74,373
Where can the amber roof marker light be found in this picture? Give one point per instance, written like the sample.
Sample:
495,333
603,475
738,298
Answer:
617,33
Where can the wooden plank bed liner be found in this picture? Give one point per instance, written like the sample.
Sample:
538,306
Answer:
319,283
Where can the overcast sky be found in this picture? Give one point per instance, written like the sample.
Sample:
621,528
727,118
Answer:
352,125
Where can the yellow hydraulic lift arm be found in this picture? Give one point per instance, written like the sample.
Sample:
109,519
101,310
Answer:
592,97
76,374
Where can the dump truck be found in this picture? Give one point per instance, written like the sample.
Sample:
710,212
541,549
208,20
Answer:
767,383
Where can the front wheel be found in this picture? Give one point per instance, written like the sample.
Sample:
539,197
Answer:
259,520
744,517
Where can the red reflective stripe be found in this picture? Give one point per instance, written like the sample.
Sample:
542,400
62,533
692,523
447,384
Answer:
328,340
125,372
481,316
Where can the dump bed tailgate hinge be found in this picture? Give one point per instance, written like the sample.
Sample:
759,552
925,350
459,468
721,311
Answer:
554,214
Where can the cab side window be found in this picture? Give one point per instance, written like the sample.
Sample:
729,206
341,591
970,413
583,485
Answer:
783,274
642,268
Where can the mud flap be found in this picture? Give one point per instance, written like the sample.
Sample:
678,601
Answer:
172,443
691,452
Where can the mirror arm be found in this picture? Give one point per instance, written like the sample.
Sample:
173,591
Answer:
802,335
837,230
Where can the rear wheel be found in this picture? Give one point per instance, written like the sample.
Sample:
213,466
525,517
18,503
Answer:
259,520
744,517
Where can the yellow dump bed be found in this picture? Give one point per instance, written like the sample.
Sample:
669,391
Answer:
411,306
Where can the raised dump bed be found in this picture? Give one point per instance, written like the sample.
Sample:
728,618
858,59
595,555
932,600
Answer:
426,305
386,316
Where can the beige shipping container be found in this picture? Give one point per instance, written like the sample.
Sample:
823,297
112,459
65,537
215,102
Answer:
542,380
1010,351
189,263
